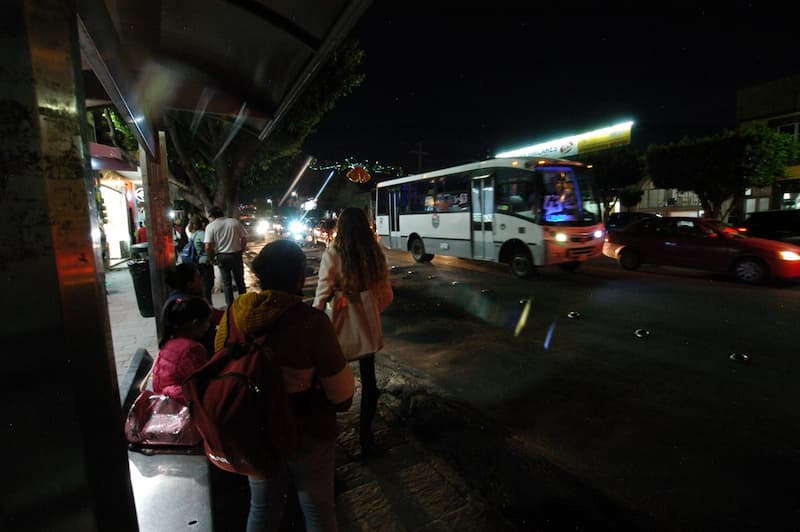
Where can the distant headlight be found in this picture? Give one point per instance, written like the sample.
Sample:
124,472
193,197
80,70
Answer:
598,233
262,227
297,227
561,237
789,255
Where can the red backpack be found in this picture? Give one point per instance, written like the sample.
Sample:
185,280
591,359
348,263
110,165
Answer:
241,408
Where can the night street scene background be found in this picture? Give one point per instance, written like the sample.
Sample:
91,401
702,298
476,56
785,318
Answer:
536,374
468,82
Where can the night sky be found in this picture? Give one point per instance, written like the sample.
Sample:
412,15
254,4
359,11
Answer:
468,83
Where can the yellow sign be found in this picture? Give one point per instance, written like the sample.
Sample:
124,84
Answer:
604,141
599,139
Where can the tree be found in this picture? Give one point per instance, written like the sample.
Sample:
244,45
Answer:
718,168
214,159
615,170
630,196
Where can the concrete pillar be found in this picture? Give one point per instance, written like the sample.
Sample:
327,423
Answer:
66,461
160,233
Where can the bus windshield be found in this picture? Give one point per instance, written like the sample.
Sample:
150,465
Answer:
568,196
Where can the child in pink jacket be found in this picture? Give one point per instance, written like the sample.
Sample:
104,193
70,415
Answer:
185,322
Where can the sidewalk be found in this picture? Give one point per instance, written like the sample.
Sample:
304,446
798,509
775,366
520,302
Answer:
405,489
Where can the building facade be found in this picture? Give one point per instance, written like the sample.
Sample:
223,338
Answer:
776,104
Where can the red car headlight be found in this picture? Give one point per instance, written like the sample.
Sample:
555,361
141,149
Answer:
788,255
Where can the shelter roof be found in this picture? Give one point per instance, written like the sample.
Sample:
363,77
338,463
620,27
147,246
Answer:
243,58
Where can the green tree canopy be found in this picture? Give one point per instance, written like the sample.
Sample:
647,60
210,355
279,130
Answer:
213,160
718,168
615,170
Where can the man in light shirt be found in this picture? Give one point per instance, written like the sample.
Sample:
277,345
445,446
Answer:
226,240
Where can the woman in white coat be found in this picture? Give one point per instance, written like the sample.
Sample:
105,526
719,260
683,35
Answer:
354,278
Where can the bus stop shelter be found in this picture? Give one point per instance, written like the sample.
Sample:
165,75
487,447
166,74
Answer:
249,59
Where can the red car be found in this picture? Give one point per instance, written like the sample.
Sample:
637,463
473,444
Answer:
324,232
702,244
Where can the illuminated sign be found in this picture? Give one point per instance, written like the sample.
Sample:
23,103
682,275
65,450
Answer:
599,139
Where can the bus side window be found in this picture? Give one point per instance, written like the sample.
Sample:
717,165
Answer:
442,202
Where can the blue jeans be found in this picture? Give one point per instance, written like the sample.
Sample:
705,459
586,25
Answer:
312,472
231,265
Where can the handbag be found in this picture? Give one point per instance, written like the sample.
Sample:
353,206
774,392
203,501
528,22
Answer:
356,320
160,421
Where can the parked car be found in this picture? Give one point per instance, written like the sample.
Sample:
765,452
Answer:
324,232
783,225
620,220
702,244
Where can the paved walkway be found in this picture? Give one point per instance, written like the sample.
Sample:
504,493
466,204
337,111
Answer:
405,489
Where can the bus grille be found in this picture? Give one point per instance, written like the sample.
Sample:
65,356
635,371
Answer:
580,252
585,237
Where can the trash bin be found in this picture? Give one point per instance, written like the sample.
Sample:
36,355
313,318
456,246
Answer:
140,273
139,251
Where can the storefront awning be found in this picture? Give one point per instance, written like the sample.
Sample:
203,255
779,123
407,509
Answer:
104,157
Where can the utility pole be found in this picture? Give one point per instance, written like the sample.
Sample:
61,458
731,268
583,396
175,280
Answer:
419,153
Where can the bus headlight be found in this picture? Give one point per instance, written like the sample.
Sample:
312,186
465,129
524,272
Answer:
598,233
561,237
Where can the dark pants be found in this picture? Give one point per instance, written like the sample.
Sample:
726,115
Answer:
369,399
207,273
231,268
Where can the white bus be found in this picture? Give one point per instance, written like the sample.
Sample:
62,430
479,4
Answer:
525,212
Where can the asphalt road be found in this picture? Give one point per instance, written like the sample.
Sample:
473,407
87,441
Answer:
660,430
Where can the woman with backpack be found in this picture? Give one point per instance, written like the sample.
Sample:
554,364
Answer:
355,267
315,374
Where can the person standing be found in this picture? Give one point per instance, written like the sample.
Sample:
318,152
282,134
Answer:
225,240
179,236
353,263
316,375
197,228
141,234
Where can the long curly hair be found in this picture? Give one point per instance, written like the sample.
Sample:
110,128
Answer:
363,261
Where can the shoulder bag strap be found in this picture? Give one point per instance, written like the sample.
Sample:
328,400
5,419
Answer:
143,384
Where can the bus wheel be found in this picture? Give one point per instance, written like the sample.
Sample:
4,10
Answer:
418,251
570,266
521,263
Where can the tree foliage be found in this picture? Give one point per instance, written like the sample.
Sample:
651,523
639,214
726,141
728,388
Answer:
214,159
630,196
718,168
615,171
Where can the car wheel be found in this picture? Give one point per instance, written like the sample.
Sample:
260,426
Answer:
418,251
521,263
750,271
629,259
570,266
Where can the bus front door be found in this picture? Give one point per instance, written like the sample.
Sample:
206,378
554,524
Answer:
482,217
394,219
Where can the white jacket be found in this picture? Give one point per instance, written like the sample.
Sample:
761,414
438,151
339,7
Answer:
327,286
